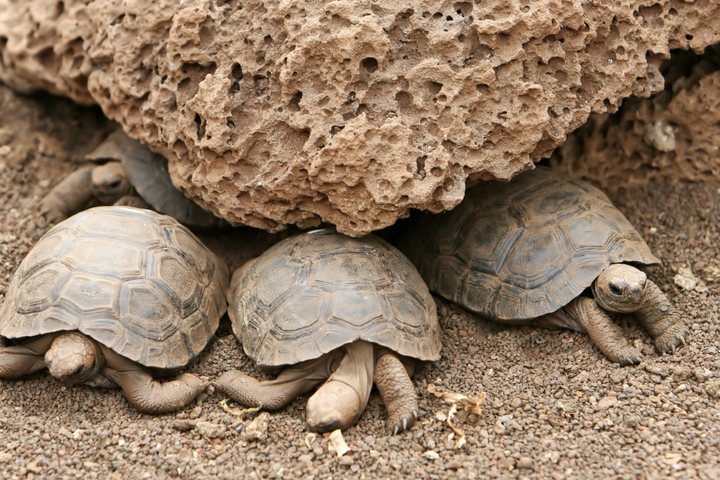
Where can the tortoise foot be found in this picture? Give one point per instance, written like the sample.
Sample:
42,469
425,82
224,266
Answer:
625,356
273,394
52,215
240,387
398,422
672,338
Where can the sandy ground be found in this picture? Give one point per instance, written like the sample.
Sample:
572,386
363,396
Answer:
556,408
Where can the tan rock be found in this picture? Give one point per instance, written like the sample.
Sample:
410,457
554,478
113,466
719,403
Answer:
674,134
353,112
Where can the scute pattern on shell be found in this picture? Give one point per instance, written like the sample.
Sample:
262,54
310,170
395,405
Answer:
315,292
136,281
518,250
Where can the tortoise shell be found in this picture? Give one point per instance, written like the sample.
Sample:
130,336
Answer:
148,173
518,250
136,281
314,292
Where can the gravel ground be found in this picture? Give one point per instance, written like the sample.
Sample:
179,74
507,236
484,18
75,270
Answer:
556,408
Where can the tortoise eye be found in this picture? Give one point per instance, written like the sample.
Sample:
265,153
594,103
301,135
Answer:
115,184
615,289
77,371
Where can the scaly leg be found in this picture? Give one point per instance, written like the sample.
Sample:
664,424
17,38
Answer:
583,314
397,391
68,196
144,392
273,394
661,319
20,360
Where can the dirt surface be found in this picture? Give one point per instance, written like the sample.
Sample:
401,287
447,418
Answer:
556,408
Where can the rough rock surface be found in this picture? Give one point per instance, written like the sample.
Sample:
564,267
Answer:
352,112
673,134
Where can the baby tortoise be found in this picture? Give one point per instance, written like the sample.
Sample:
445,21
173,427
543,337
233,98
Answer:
332,310
115,296
126,173
523,253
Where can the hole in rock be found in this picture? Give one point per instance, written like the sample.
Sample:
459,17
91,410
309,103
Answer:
370,64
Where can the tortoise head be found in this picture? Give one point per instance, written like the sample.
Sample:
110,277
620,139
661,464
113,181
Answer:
620,288
73,358
110,183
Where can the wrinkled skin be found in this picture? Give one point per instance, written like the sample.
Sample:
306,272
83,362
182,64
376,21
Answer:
74,358
622,288
345,376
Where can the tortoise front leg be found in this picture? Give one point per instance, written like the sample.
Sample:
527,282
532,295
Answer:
68,196
292,382
397,391
144,392
661,319
19,360
583,314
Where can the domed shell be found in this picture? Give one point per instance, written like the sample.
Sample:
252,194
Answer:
148,173
518,250
136,281
317,291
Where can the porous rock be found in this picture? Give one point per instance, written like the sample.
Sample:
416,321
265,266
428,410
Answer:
674,134
353,112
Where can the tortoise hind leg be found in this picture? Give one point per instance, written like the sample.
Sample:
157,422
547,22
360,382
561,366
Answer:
397,391
661,319
20,360
583,314
340,401
144,392
273,394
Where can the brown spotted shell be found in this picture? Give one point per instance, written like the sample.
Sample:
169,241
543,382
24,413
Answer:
136,281
317,291
518,250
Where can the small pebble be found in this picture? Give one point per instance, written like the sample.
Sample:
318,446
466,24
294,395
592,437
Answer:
257,429
701,374
525,462
713,389
631,421
618,376
431,455
607,402
6,136
681,373
658,369
210,430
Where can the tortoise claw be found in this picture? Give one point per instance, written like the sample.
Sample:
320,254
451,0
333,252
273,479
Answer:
415,414
404,423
